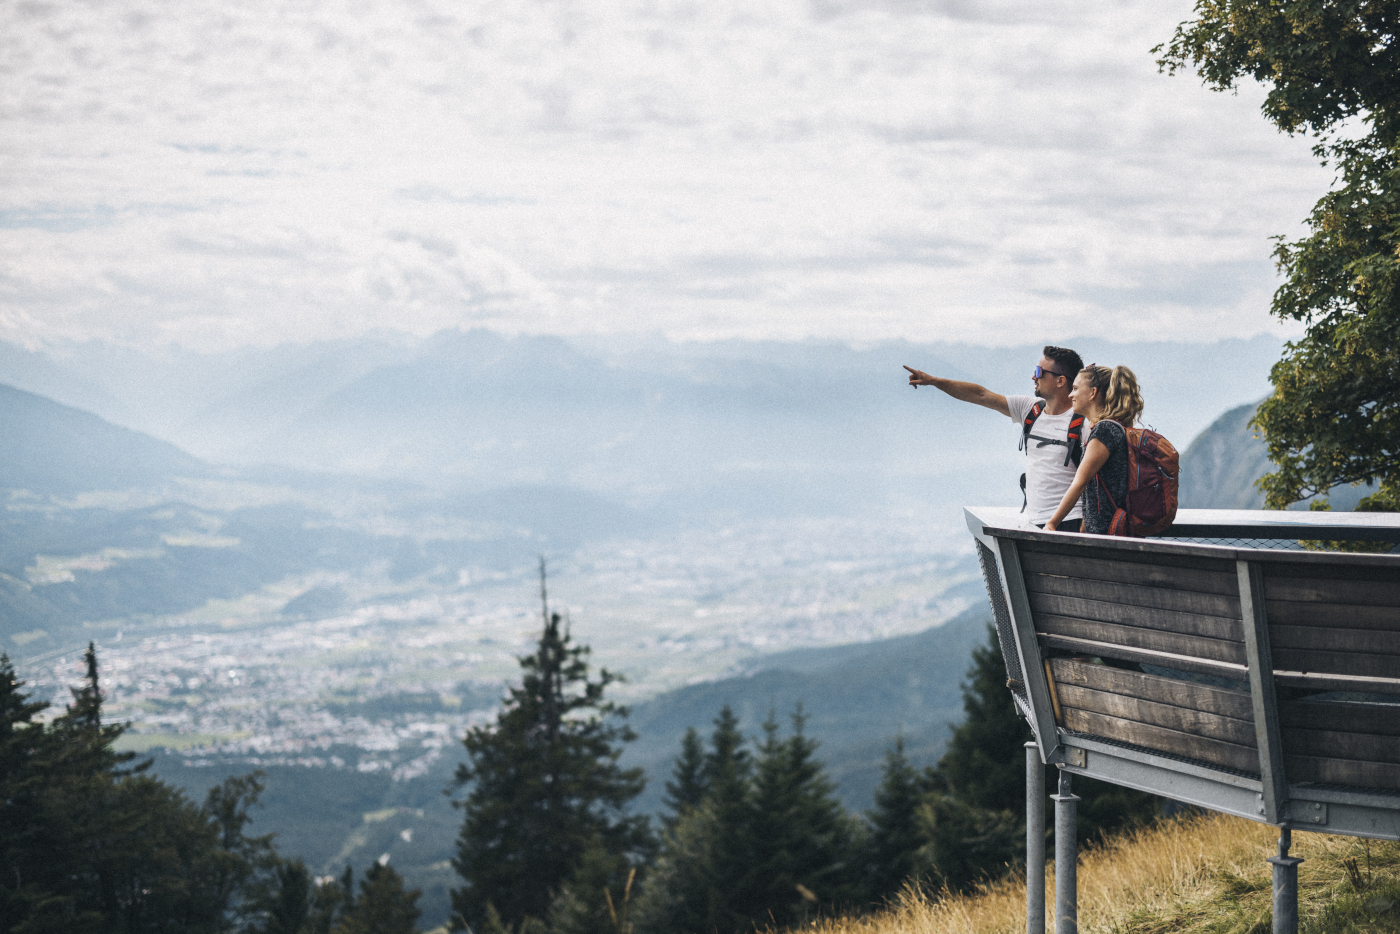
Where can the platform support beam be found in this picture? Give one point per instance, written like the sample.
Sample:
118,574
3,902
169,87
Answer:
1035,841
1066,859
1285,885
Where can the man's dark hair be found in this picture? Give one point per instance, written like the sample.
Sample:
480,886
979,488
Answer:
1066,361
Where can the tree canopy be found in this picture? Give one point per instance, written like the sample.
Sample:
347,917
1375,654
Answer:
1332,69
546,791
91,843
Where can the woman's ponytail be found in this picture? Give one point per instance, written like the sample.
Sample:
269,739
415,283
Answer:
1122,401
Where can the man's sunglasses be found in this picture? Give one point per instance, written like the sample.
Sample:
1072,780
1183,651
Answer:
1041,371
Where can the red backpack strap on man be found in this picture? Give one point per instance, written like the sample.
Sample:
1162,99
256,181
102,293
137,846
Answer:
1026,424
1028,421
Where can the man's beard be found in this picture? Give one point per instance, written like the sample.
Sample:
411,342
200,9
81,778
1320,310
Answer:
1038,393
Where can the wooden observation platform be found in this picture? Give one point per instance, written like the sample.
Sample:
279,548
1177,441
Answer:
1220,665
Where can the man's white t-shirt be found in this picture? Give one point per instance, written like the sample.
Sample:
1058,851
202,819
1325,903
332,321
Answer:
1047,474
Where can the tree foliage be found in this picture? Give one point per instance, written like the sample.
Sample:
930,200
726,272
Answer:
768,844
545,788
1332,69
90,843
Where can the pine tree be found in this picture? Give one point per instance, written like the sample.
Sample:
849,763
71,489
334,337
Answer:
89,843
895,837
383,905
688,785
768,845
804,846
705,850
546,786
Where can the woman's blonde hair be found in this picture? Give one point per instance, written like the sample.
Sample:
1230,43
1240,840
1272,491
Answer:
1118,388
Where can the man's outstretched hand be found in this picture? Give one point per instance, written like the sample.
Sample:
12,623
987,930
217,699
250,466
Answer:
919,378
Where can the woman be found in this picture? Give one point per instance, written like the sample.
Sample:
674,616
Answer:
1110,401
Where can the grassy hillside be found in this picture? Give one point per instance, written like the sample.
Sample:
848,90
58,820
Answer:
1199,875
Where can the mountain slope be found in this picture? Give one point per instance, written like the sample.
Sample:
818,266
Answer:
1224,463
1219,469
856,699
54,449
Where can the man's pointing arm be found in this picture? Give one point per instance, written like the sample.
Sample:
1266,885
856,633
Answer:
964,392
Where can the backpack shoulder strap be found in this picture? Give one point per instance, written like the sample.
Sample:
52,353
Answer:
1027,422
1075,438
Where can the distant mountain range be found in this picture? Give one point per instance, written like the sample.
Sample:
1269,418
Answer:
729,426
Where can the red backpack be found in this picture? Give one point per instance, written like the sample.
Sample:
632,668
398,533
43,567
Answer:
1153,476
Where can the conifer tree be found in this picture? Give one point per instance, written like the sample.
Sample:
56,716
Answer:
383,906
803,845
89,843
705,858
686,790
895,837
768,845
545,786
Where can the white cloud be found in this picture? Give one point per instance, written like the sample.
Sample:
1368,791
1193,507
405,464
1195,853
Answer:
244,172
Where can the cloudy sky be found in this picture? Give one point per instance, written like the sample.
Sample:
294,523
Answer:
218,174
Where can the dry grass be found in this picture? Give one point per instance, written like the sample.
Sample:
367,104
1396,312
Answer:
1200,875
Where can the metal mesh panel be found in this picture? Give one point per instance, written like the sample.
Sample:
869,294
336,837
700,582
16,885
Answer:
1005,635
1277,544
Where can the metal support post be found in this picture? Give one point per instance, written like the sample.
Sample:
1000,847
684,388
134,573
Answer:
1066,859
1035,841
1285,885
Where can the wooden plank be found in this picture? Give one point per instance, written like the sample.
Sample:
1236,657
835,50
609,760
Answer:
1174,691
1213,627
1218,650
1384,775
1347,616
1161,598
1334,639
1337,663
1089,647
1332,590
1155,574
1356,716
1181,719
1325,682
1338,744
1214,751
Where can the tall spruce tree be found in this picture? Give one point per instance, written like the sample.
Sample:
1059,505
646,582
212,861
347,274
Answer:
706,852
895,837
768,845
383,905
804,852
686,790
545,787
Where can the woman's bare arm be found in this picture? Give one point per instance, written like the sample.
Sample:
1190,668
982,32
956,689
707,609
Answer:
1095,456
963,392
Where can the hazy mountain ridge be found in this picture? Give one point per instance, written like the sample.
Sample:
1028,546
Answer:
52,448
627,419
1222,466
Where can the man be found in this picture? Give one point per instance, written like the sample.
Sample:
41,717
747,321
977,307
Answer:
1051,454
